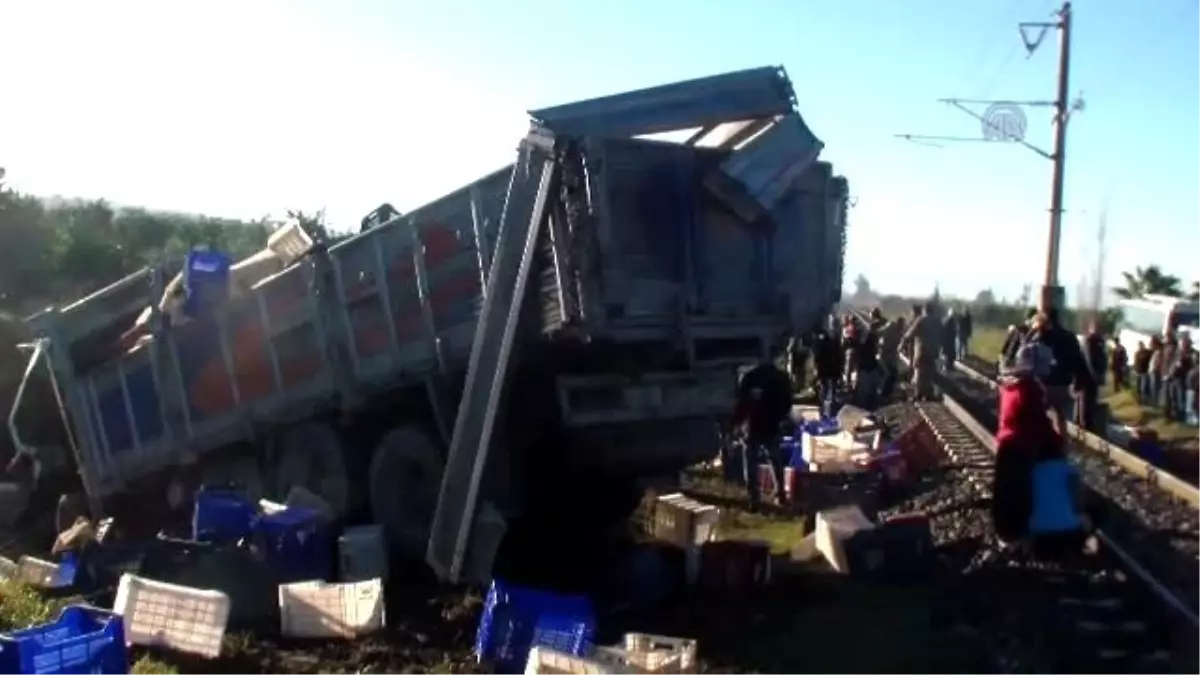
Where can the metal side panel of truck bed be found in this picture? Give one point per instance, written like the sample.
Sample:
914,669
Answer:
199,385
399,304
409,291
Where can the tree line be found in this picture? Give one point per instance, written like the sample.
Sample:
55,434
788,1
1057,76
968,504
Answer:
1152,280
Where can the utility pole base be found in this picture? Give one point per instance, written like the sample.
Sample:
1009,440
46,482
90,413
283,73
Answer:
1052,297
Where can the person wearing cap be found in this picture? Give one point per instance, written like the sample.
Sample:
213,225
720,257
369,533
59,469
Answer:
1024,434
1070,369
1015,337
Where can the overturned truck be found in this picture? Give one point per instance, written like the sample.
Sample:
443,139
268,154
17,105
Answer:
557,329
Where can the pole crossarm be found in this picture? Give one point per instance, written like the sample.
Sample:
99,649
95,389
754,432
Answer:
1002,101
994,125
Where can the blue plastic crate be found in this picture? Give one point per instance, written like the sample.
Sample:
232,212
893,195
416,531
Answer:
825,426
516,619
82,640
222,514
1055,507
296,544
205,281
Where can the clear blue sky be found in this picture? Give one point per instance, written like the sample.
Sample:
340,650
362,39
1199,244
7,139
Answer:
248,108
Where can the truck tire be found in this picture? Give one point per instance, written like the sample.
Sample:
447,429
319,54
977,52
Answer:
405,479
310,455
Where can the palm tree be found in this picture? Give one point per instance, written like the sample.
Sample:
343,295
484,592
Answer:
1149,279
1194,293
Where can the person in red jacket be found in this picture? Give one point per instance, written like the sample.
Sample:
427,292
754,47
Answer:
1024,434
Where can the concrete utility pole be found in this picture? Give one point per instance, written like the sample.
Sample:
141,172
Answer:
1004,121
1052,292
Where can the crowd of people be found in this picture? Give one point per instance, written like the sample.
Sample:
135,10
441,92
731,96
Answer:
864,360
1166,375
1162,374
1043,370
850,361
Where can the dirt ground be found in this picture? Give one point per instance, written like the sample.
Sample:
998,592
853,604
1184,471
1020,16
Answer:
809,619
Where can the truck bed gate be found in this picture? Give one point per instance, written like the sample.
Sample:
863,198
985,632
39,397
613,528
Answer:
525,210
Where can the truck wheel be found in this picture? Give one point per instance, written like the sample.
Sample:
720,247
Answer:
309,455
405,479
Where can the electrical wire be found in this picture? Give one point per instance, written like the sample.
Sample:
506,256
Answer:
989,44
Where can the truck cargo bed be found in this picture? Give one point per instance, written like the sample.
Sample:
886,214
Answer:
644,245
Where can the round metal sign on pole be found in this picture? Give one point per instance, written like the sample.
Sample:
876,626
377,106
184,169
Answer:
1004,122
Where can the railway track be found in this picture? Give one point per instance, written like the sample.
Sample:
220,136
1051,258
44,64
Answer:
1129,605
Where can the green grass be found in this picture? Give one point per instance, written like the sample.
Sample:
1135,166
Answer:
22,606
988,341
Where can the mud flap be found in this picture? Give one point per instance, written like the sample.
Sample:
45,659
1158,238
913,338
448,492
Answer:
406,471
311,455
525,211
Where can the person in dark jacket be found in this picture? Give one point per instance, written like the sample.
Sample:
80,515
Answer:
1070,369
866,379
764,402
1118,365
1176,407
827,361
1193,393
889,355
1158,354
850,339
950,339
1141,374
1096,352
1015,338
966,326
798,353
1166,361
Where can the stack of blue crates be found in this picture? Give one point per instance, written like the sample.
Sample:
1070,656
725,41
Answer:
296,543
82,640
517,619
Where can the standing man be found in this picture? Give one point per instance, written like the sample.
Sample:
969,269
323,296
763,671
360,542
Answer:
1141,374
950,339
764,402
866,379
1118,365
827,360
1069,368
798,352
1177,379
926,336
1097,352
966,326
889,355
1015,338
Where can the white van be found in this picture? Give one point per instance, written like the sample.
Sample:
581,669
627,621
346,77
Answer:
1150,315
